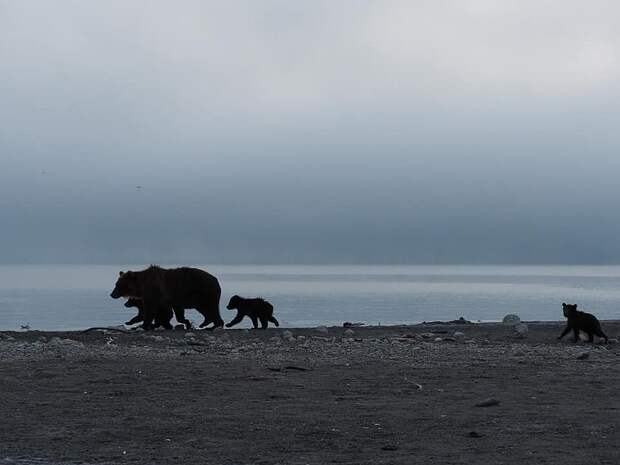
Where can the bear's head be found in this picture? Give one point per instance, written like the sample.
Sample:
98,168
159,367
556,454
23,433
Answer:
569,309
234,302
127,285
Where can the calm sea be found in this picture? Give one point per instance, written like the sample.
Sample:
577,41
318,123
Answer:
74,297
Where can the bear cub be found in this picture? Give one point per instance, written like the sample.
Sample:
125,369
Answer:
256,309
581,321
162,318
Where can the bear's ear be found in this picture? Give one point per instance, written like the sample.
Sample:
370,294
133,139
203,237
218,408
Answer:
121,273
563,304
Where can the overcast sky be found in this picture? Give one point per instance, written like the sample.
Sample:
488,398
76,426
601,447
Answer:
310,132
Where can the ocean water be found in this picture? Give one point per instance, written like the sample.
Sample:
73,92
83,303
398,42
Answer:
67,297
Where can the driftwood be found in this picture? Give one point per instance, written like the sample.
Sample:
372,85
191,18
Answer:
103,328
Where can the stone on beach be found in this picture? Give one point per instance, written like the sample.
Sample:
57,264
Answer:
490,402
521,329
322,329
511,320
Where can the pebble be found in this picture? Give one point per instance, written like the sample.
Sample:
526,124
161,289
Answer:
490,402
583,356
190,334
521,329
349,332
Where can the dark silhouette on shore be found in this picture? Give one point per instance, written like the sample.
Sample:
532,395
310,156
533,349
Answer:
581,321
161,289
256,309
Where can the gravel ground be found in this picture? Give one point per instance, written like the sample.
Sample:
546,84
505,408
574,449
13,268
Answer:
433,394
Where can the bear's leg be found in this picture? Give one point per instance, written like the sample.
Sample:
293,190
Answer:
274,321
576,334
565,332
210,309
599,332
136,319
163,318
235,320
254,321
590,337
179,314
151,307
264,322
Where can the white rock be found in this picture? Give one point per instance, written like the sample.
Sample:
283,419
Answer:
511,320
349,332
322,329
287,334
521,329
438,339
458,335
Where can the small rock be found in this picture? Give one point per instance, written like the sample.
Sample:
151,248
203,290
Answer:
427,335
389,447
511,320
190,334
276,340
490,402
521,329
157,338
583,356
612,340
458,335
438,339
474,434
301,338
287,334
349,332
322,329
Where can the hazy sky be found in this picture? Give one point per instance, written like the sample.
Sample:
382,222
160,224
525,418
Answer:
310,132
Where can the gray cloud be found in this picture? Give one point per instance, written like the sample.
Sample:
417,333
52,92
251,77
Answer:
366,131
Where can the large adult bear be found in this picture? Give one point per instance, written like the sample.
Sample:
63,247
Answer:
178,288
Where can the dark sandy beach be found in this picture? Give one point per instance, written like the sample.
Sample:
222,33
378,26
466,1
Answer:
381,395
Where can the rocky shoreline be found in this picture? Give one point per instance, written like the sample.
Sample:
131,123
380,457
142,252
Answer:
433,393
